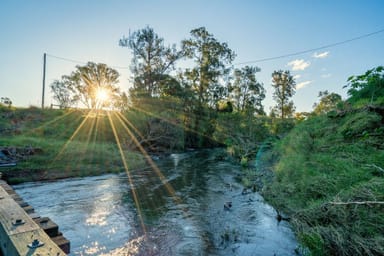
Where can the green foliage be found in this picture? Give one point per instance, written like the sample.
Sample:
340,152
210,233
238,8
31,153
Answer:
191,98
203,88
361,124
280,127
367,88
211,58
151,62
314,243
246,93
159,130
325,160
328,102
241,134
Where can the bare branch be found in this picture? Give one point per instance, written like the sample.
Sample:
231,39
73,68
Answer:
357,203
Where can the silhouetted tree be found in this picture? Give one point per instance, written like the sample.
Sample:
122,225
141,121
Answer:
89,81
284,85
62,94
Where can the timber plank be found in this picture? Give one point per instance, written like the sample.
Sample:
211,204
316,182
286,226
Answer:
17,235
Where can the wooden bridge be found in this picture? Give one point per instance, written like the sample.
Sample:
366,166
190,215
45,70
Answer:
23,232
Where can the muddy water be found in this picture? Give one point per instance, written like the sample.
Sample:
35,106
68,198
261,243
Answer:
179,211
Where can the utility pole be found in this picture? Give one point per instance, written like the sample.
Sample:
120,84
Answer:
44,65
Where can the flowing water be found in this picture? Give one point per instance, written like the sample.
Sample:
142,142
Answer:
179,211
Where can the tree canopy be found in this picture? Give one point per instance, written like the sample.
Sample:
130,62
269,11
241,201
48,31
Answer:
151,62
204,81
93,84
246,92
367,88
211,64
328,101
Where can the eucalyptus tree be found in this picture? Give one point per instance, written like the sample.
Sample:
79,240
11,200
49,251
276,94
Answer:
211,64
246,92
285,87
205,78
94,84
151,63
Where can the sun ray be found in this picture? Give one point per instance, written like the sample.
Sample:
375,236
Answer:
131,125
89,127
176,124
169,188
56,119
75,133
135,198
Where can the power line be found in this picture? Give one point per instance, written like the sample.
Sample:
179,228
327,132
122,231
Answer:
311,50
258,60
79,62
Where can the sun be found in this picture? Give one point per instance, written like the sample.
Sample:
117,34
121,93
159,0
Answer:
102,96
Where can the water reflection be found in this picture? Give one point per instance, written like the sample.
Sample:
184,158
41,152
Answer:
93,249
90,212
99,216
132,248
102,206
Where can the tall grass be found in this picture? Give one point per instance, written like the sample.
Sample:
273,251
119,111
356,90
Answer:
325,161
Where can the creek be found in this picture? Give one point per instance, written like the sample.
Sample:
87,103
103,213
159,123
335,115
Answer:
176,209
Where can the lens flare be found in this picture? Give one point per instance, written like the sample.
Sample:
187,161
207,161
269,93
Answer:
102,95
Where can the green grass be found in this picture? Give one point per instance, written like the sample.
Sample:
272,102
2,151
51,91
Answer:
327,160
70,143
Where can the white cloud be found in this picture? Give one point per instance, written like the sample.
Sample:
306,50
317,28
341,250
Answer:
296,76
326,75
320,55
302,84
299,64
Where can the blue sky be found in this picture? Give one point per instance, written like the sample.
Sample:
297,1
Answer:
89,30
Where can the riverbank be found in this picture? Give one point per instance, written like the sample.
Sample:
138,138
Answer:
329,180
20,173
53,144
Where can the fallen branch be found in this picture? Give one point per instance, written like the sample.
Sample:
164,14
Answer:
357,202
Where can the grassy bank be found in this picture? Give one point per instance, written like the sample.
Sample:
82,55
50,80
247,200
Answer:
329,179
65,143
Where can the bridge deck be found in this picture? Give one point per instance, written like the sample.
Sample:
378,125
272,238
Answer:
18,230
